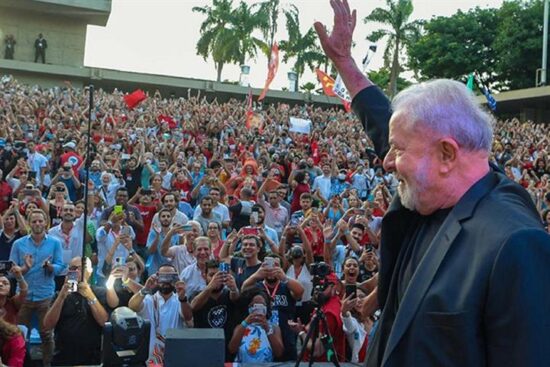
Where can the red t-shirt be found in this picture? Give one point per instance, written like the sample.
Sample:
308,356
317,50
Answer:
335,324
5,195
298,191
13,351
147,213
74,159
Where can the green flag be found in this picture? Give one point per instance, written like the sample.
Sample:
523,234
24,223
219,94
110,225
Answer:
470,83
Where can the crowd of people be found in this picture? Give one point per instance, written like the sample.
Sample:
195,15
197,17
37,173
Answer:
195,220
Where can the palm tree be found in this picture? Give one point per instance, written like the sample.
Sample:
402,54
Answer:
269,13
244,21
400,35
215,33
303,47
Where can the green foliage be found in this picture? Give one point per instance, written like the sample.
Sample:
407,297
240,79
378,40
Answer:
400,33
381,77
303,48
308,87
451,47
227,33
503,44
518,43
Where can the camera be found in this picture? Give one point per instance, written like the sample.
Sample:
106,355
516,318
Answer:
320,269
5,266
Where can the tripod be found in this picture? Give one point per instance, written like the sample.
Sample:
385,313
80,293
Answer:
313,334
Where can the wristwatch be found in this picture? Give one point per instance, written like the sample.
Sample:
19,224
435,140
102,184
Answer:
92,301
144,291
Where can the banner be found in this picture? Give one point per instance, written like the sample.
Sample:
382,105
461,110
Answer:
301,126
134,98
271,70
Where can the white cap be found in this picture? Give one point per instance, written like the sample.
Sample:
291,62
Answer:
70,145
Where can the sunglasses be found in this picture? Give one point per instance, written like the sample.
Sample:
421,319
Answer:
74,267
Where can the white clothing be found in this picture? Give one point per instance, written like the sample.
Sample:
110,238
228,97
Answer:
219,209
194,282
355,334
304,278
180,257
71,244
166,315
105,241
323,183
178,218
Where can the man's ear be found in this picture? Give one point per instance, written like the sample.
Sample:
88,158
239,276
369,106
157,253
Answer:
448,154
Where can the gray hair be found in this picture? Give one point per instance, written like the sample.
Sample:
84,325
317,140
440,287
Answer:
196,224
449,108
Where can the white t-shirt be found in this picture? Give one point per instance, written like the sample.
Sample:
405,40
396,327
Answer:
180,257
105,241
304,278
71,244
163,315
194,282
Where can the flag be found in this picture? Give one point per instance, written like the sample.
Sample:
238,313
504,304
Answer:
172,124
249,112
329,88
327,82
470,83
134,98
491,102
271,69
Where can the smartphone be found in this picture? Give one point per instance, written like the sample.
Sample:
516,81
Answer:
119,261
351,289
72,280
250,231
32,175
118,209
254,217
224,267
294,221
258,308
360,211
270,262
125,230
187,227
168,278
5,266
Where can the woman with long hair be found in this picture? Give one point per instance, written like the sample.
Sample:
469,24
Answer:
12,345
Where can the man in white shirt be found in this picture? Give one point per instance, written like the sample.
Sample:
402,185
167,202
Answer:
169,201
37,163
192,275
181,255
165,175
167,308
217,207
323,183
70,233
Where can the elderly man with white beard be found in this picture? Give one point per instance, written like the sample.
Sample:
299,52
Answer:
464,256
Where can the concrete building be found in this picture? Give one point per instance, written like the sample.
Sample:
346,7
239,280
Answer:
63,23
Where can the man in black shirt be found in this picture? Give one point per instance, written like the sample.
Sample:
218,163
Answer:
78,318
132,175
213,307
40,46
464,255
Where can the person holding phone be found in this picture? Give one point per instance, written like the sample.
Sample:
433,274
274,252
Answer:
283,293
214,306
77,314
163,300
256,339
40,258
127,279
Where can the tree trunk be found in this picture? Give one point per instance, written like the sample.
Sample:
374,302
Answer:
219,71
394,74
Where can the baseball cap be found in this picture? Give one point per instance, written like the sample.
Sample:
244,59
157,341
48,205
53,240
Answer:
70,145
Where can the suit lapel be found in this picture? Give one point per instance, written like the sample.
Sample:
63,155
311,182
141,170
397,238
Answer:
440,245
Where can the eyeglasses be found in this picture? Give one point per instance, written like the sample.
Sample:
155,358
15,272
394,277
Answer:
75,267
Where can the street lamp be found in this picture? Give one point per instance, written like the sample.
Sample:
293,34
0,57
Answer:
292,81
243,79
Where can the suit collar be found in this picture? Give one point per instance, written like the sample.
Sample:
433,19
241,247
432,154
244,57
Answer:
424,274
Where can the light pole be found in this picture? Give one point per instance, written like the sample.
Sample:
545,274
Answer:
544,66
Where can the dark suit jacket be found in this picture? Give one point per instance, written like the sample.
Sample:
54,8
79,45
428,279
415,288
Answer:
481,294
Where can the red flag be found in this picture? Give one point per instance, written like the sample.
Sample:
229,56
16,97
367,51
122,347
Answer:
249,112
167,119
328,84
134,98
271,70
